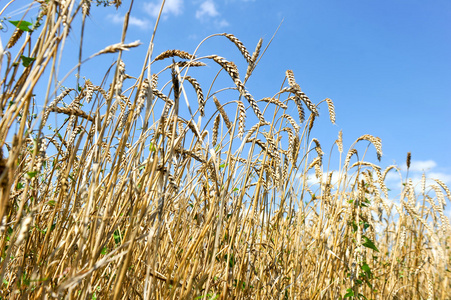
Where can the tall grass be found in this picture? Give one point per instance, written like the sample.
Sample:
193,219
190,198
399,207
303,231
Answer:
133,199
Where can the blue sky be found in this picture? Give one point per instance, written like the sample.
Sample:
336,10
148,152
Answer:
385,64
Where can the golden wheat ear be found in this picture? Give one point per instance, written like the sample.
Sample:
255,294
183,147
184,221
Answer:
200,94
172,53
240,46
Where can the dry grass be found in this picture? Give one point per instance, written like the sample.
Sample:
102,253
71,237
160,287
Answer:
155,204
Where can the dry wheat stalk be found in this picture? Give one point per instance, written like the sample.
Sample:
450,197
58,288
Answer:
300,109
241,119
142,97
123,120
290,142
375,141
258,142
183,64
384,174
251,66
290,77
318,147
154,81
223,113
296,146
88,91
444,187
232,70
162,97
331,108
315,161
318,172
296,89
274,101
311,122
348,158
200,94
172,53
118,47
257,51
72,111
339,141
293,123
240,46
14,38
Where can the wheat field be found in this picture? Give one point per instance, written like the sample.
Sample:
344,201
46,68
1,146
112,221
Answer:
109,191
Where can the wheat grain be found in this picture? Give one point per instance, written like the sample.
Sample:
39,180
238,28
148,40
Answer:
331,108
86,7
252,64
315,161
296,148
348,158
300,109
223,113
293,123
72,111
274,101
200,94
290,77
118,47
376,143
172,53
444,187
290,142
241,119
88,91
162,97
232,70
240,46
142,97
14,38
311,122
339,141
318,147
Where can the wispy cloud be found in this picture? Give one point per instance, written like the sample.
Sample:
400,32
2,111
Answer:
222,23
421,165
174,7
207,9
133,21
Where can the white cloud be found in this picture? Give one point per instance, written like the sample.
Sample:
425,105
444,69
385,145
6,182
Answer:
138,22
446,178
422,165
207,9
222,23
174,7
117,19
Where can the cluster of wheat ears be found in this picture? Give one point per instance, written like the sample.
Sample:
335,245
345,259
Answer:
122,196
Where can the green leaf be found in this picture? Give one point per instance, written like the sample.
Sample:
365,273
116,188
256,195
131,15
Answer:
51,203
19,186
117,236
32,174
349,294
22,25
369,244
367,270
26,61
362,296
